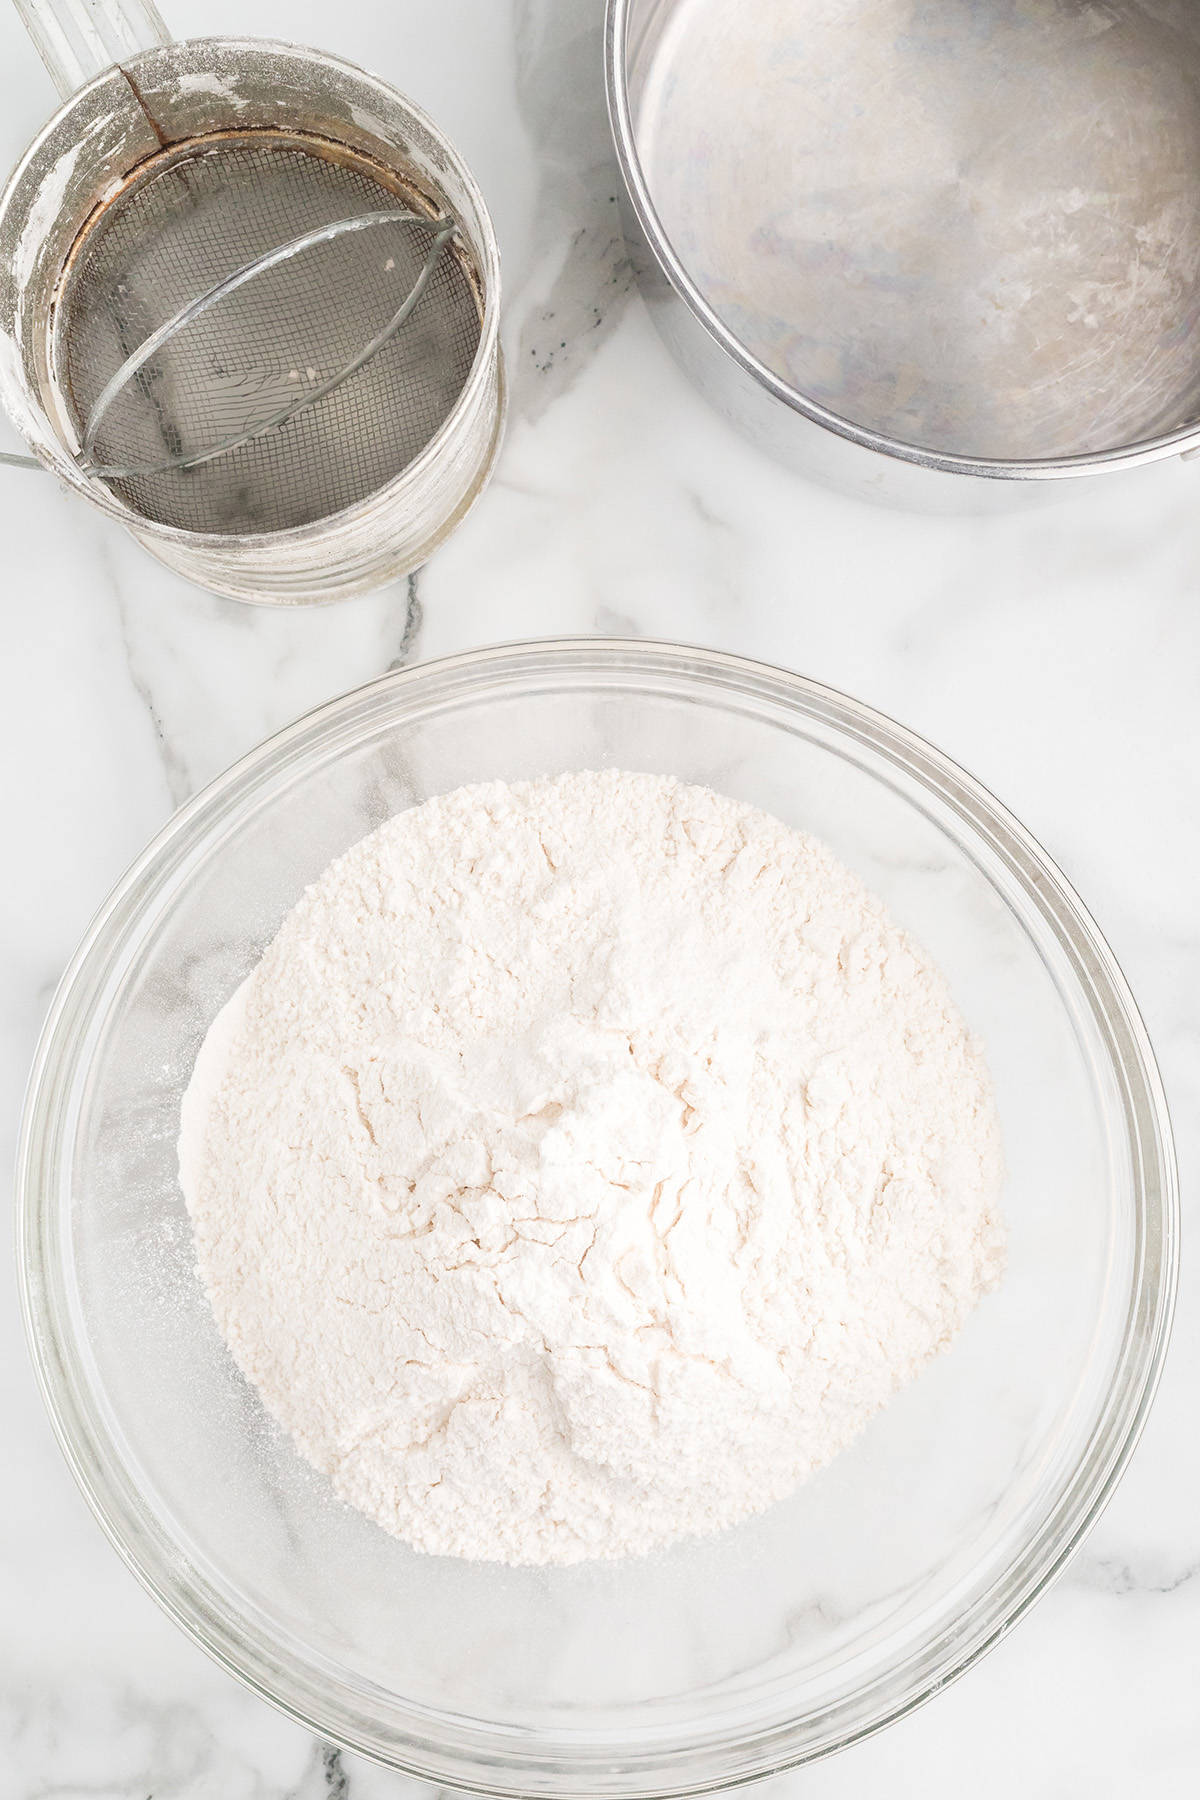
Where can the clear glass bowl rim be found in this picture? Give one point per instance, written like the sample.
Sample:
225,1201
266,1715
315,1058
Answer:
494,1762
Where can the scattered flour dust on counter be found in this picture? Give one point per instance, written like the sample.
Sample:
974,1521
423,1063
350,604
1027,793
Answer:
584,1164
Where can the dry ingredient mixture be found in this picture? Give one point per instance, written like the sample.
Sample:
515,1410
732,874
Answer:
584,1164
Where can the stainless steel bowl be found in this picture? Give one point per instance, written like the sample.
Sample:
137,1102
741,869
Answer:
902,246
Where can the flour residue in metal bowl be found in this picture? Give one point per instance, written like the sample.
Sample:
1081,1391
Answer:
970,227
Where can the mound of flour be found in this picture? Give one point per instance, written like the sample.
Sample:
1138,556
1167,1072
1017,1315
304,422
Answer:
582,1166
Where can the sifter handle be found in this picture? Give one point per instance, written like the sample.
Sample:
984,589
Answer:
77,39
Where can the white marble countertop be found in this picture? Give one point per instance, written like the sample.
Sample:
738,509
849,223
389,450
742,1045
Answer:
1055,654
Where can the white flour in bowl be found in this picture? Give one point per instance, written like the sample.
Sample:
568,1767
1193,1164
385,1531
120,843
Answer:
584,1164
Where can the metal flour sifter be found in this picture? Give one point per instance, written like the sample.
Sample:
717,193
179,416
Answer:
248,305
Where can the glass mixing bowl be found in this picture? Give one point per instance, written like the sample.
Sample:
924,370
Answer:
723,1659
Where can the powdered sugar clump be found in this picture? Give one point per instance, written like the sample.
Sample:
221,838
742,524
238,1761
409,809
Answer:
583,1165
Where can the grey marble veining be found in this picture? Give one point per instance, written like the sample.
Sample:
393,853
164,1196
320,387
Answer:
1054,653
578,242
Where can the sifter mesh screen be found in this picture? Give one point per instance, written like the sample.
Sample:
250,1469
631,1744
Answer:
187,224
